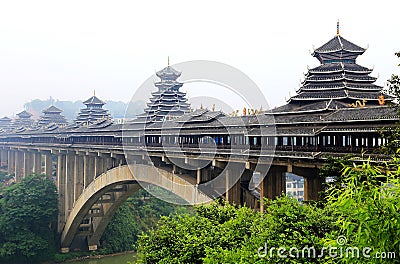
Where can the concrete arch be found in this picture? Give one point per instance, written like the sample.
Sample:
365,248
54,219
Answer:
103,196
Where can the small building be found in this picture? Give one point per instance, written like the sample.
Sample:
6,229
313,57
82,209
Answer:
295,186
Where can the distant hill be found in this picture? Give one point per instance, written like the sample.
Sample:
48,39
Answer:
71,109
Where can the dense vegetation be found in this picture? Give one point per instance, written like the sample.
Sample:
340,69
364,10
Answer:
28,217
4,180
366,212
140,213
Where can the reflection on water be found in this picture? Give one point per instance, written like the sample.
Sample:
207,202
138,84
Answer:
120,259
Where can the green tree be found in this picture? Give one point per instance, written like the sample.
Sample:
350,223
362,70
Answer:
285,224
392,134
226,234
121,233
367,210
394,84
333,170
140,213
28,220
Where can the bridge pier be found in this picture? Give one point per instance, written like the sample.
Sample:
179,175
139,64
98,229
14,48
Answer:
18,165
232,194
198,176
28,163
11,162
78,176
69,183
37,163
88,169
61,175
48,165
4,157
273,184
312,188
98,161
247,198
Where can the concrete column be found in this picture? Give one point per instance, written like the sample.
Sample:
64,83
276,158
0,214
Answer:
232,194
275,182
110,163
37,163
48,166
78,176
198,176
246,197
312,188
262,195
98,166
11,162
61,172
69,184
207,174
4,157
105,164
88,169
19,165
28,163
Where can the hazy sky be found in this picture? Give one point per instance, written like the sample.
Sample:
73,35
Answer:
67,49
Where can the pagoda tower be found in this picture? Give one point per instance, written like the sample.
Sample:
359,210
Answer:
339,78
52,115
168,102
23,120
5,122
93,112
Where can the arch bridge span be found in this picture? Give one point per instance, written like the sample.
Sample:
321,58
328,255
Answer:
95,207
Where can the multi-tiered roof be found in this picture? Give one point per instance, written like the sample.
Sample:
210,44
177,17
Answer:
339,77
93,112
5,122
24,120
168,102
52,115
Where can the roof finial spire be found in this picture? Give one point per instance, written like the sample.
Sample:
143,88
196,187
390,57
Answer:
94,92
168,60
337,28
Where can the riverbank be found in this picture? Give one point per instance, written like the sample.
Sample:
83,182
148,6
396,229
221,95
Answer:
85,257
90,257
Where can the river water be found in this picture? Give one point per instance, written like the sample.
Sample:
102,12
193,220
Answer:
118,259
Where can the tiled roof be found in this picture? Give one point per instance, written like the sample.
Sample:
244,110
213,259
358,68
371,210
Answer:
343,85
168,73
338,43
24,114
5,119
363,113
94,101
339,76
340,67
327,94
52,109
